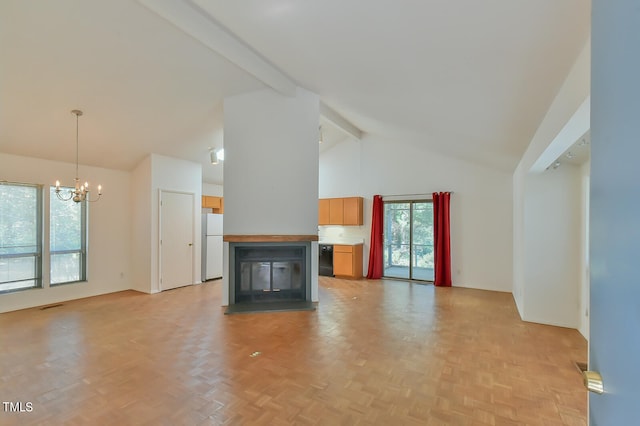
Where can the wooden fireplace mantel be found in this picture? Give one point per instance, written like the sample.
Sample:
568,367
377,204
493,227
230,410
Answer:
268,238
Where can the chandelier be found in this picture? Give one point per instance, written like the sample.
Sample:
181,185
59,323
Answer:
80,192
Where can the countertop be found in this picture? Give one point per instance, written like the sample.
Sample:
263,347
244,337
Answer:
342,241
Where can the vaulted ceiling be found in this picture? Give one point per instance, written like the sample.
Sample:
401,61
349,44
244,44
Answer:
465,78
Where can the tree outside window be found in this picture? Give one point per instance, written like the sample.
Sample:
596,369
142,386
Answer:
67,240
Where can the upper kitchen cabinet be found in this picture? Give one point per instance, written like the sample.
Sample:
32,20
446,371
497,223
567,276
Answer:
341,211
353,214
216,204
323,212
336,211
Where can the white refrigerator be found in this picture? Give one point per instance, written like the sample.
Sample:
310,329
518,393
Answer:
211,246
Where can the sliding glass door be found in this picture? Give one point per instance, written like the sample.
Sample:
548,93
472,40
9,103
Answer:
408,240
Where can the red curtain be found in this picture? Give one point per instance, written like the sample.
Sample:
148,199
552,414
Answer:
441,239
375,252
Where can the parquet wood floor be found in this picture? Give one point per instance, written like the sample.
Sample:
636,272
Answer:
374,353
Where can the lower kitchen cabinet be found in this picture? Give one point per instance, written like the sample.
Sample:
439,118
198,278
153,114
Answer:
347,261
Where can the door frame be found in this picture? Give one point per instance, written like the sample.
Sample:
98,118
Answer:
193,225
411,202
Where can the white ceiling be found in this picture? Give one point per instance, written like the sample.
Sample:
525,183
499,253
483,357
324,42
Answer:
466,78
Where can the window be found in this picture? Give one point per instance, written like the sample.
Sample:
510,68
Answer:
20,236
67,240
408,240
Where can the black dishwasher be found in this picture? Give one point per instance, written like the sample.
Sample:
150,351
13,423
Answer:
325,264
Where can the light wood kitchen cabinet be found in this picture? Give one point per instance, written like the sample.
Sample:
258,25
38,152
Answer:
347,261
323,212
336,211
340,211
353,211
209,202
216,204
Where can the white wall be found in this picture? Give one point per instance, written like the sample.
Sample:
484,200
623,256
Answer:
271,163
565,108
480,205
553,204
339,170
141,229
339,176
212,189
109,253
271,168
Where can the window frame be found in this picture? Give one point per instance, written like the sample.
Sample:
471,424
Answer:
82,251
38,253
410,244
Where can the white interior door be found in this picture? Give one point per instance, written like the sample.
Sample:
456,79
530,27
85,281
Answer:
614,233
176,239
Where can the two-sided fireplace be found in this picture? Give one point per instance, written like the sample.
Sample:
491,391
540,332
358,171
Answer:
269,272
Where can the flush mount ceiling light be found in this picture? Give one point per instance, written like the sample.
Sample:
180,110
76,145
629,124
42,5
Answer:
80,192
569,155
216,156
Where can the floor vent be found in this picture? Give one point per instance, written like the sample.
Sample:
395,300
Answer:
50,306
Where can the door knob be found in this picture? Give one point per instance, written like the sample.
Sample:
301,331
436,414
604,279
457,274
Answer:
593,381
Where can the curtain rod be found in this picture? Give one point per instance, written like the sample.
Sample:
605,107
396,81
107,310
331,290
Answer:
413,195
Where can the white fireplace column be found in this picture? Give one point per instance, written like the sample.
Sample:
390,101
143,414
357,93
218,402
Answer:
271,170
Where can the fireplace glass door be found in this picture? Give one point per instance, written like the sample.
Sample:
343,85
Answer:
270,274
